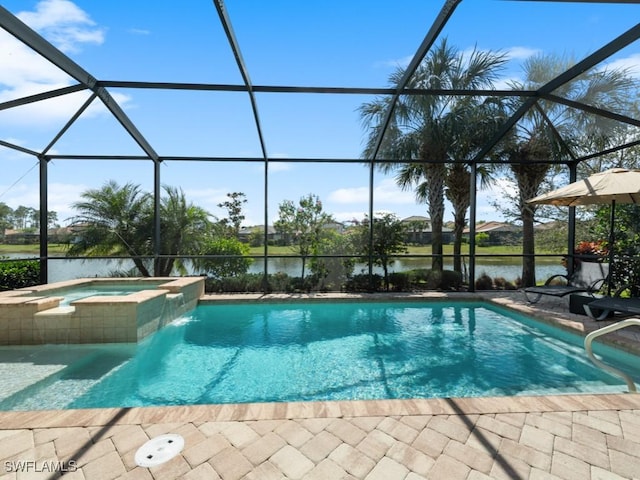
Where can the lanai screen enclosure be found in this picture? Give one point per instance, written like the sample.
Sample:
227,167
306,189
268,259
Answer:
244,86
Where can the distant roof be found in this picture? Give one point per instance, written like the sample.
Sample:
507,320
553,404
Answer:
246,230
494,227
550,225
416,218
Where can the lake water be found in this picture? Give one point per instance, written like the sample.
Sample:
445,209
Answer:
61,269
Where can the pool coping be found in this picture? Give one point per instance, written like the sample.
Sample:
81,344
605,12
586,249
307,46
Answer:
320,409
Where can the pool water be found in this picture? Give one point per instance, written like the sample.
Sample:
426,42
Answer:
78,293
318,351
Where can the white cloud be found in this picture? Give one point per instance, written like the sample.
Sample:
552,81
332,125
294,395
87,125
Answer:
275,167
60,197
56,110
395,63
348,216
386,192
521,53
631,64
207,197
23,72
349,195
64,24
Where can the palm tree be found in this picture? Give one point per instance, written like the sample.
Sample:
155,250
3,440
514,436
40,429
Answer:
185,228
111,221
424,127
550,130
118,220
476,122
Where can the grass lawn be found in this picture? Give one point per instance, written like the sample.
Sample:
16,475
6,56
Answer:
415,250
515,250
54,248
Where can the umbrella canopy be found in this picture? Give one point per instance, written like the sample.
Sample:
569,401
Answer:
616,185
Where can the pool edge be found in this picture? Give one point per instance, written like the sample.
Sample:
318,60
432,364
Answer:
322,409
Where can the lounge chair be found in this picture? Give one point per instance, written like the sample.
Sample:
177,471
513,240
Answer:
588,278
604,307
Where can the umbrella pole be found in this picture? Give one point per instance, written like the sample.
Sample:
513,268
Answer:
611,240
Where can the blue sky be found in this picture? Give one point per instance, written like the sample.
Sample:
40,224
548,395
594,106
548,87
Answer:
331,43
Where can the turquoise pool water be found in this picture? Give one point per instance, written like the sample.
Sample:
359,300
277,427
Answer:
319,351
99,289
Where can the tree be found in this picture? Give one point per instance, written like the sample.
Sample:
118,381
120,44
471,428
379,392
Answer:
550,132
233,259
332,271
303,224
476,121
20,216
389,235
34,218
118,220
113,220
184,230
235,215
424,127
626,248
6,215
52,219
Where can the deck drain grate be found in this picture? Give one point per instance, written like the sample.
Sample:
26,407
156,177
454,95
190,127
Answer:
159,450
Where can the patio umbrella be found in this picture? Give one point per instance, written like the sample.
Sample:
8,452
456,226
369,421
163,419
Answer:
617,185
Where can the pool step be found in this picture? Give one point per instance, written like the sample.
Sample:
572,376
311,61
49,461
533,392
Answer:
55,312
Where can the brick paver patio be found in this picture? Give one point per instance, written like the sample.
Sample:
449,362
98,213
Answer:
555,437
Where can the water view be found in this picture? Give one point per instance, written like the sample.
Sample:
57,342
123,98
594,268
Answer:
61,269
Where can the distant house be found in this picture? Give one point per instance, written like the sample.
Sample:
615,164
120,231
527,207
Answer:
337,227
61,234
246,234
500,233
419,230
22,237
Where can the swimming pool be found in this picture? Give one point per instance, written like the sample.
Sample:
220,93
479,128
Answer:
102,291
98,289
317,351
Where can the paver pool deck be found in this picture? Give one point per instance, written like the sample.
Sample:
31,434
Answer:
568,437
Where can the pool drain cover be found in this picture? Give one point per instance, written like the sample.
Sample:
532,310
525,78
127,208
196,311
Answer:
159,450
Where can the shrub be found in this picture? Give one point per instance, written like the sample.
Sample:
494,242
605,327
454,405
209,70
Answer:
502,283
401,281
232,261
303,285
420,276
451,280
484,282
364,283
482,239
249,282
427,279
279,282
591,251
19,274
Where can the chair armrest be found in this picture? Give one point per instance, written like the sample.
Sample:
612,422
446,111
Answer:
597,285
550,279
